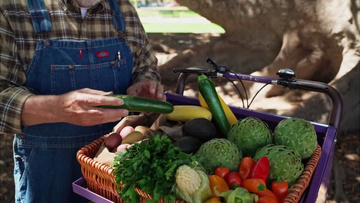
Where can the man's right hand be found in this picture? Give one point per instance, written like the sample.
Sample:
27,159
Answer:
79,107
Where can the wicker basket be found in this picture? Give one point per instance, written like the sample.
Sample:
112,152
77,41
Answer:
303,181
99,177
101,180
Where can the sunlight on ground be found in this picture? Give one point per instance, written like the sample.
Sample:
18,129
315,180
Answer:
175,20
352,157
322,194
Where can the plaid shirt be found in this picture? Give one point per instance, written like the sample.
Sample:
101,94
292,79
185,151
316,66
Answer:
18,41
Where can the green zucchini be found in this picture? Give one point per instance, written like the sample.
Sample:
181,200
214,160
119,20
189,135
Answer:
207,90
142,104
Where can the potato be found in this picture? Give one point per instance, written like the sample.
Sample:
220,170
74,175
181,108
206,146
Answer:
126,131
133,137
112,141
121,148
143,129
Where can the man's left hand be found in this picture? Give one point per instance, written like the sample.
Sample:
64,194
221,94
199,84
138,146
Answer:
147,88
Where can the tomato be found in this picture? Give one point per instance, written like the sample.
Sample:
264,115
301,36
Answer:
222,172
234,180
280,189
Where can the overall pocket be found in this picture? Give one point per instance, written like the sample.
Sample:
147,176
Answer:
23,156
107,76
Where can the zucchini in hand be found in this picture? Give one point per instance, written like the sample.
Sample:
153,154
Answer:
142,104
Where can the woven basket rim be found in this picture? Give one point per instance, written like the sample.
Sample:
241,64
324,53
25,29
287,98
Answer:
82,156
304,179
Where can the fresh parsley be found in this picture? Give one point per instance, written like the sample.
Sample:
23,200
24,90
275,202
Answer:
149,165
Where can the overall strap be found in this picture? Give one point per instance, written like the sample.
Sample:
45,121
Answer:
117,16
39,15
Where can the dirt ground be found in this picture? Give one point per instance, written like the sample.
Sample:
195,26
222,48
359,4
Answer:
167,45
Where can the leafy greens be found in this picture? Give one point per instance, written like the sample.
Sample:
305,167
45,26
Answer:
150,166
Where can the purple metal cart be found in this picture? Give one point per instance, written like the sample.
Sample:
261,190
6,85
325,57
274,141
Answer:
326,133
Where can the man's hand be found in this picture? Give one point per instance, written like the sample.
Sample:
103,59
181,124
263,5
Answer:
78,107
147,88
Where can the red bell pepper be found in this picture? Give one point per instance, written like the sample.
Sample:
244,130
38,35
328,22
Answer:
222,172
246,166
234,180
280,189
261,169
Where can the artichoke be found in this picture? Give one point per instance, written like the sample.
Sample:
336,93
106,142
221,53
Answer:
298,134
285,163
219,152
250,134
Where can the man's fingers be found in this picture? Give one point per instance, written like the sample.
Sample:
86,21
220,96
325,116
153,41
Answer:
92,91
160,93
131,91
99,100
99,115
152,87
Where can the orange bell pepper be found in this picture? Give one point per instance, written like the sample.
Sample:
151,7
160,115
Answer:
266,193
218,185
213,200
246,166
266,199
254,185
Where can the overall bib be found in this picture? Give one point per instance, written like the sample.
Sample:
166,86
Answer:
45,155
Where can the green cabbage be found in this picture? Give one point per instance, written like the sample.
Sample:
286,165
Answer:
239,195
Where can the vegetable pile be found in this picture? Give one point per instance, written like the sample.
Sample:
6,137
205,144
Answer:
218,158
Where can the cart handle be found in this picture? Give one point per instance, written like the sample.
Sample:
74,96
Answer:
285,80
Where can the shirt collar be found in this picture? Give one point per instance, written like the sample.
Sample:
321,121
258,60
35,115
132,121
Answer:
71,5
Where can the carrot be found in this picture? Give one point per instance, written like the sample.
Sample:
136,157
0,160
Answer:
254,185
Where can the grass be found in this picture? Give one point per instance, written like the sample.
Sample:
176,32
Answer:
181,21
173,12
182,28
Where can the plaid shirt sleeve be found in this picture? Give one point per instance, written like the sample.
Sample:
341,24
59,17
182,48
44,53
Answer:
145,61
12,76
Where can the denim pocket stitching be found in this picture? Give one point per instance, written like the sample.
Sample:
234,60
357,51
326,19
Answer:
26,168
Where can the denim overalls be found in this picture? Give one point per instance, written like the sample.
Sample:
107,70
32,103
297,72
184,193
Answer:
45,155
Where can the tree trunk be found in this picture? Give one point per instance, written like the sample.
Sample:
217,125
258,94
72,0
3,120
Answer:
309,37
318,40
